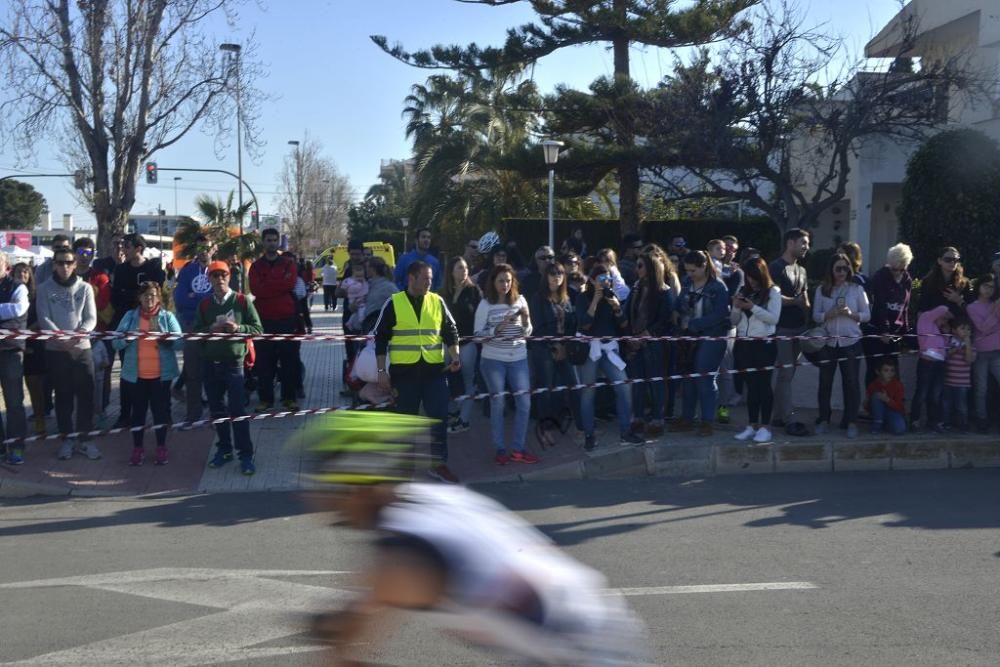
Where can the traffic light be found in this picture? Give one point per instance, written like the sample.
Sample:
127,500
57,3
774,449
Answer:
151,173
254,220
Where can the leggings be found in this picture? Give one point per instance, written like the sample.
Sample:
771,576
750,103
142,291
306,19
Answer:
148,395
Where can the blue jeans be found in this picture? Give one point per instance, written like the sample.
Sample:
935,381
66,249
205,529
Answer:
650,361
884,417
955,406
704,390
499,374
468,355
431,391
623,394
552,373
227,397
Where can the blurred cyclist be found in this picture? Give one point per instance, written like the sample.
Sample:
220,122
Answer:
482,572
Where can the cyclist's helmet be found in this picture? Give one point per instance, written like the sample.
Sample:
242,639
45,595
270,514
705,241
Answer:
487,242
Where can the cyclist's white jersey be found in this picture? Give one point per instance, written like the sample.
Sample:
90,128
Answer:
491,555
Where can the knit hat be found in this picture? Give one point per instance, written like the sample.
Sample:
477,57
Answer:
218,266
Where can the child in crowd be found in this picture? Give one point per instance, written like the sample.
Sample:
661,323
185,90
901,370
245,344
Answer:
932,333
886,400
958,376
357,290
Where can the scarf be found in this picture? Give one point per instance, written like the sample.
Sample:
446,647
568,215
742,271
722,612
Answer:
149,314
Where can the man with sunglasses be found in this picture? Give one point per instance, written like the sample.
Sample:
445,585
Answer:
66,302
117,256
43,272
544,258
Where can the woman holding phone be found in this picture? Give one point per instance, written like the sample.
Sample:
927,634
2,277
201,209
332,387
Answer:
841,306
148,368
503,314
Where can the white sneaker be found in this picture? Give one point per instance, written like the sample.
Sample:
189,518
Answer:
746,434
89,450
763,435
66,450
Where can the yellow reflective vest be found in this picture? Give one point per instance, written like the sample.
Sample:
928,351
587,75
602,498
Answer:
413,340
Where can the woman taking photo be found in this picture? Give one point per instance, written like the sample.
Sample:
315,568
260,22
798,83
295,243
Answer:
756,309
148,368
463,297
841,307
601,314
504,314
704,311
650,311
553,314
946,285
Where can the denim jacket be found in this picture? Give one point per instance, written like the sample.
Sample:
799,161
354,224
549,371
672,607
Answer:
167,349
543,320
714,320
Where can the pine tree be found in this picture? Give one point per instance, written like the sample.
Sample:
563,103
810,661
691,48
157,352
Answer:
599,126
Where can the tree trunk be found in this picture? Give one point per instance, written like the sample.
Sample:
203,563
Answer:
628,168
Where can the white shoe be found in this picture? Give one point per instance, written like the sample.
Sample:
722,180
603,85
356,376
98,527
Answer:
89,450
66,450
763,435
746,434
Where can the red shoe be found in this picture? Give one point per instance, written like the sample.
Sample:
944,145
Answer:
444,474
161,456
501,459
138,454
523,457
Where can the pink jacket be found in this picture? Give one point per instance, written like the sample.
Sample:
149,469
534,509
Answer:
933,343
986,325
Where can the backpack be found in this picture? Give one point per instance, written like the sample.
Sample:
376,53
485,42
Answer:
241,300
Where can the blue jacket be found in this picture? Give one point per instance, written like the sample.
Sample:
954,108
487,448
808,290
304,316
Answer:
714,320
168,356
187,296
403,263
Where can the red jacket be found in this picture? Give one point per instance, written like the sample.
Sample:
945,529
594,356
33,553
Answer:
894,390
272,285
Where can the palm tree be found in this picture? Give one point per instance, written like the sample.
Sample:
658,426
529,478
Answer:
222,224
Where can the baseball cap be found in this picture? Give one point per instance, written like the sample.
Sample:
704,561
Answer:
218,266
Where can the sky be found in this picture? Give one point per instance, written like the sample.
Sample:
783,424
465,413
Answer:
326,78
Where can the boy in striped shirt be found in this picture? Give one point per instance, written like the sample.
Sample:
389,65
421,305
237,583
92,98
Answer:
958,376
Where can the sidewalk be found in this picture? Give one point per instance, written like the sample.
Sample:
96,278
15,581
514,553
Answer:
280,463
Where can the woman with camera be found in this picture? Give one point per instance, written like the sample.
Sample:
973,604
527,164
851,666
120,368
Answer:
553,314
651,308
755,314
841,307
704,311
601,314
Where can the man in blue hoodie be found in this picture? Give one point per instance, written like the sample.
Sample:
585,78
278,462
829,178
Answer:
421,252
193,285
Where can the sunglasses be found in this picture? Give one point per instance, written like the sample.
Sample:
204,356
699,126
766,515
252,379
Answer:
841,269
557,273
547,258
66,262
62,248
951,260
85,252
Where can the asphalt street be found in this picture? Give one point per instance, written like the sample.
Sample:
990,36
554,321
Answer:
888,569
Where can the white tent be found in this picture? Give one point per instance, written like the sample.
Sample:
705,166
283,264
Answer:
41,251
18,253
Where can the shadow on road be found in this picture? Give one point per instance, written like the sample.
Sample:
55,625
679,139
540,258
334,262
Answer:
929,500
230,509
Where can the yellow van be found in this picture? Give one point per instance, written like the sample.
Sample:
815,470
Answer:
340,256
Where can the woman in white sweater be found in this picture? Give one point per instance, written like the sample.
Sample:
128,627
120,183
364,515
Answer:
841,306
504,361
755,313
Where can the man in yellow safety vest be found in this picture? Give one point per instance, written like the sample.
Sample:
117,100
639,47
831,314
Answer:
414,327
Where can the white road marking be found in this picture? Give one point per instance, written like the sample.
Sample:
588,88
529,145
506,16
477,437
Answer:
256,607
717,588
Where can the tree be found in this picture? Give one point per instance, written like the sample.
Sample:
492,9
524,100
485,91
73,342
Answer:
600,126
121,79
222,224
768,120
951,196
20,205
315,198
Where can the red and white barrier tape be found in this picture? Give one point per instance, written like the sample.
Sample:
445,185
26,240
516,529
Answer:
464,397
57,335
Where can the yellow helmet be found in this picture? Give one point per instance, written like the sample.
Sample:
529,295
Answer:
359,447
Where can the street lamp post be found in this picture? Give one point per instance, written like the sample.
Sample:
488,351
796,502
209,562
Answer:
406,223
234,51
551,150
176,178
298,182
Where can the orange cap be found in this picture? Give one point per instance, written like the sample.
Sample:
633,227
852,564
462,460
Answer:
218,266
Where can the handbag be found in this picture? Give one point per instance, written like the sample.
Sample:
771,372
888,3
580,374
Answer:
365,367
814,340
